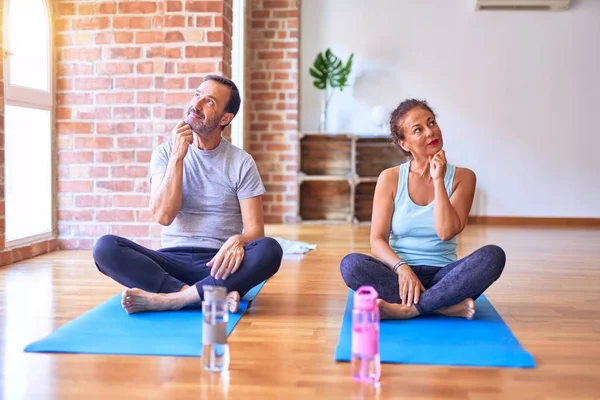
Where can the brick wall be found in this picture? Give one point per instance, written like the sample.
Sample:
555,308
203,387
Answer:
273,101
126,70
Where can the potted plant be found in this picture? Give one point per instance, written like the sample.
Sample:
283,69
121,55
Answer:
329,73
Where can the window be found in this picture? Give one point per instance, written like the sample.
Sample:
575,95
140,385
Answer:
28,121
237,68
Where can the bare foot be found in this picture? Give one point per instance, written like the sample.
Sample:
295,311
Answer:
138,300
396,311
233,301
464,309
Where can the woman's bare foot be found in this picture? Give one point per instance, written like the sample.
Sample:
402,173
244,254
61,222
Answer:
396,311
138,300
233,301
464,309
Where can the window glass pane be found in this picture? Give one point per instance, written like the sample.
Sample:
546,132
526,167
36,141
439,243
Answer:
237,68
28,172
29,37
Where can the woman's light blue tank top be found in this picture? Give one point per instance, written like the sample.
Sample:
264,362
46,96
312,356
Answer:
413,237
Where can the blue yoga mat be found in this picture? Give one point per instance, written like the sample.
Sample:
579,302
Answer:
485,341
108,329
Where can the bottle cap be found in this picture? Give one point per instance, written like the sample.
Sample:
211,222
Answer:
365,298
214,293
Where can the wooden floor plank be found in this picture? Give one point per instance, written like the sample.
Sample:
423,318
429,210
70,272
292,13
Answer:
549,295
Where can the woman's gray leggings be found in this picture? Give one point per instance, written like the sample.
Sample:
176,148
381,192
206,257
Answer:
445,286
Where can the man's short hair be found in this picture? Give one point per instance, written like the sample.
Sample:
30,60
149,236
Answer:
233,104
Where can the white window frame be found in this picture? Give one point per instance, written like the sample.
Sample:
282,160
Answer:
238,40
20,96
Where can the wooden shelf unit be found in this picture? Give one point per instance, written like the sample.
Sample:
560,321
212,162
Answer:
338,173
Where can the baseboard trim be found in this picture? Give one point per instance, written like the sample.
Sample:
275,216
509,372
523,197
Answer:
534,221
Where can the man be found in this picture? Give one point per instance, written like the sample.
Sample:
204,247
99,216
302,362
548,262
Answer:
207,194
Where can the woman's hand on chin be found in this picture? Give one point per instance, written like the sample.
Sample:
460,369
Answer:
437,165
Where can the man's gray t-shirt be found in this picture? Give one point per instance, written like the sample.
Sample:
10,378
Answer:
213,183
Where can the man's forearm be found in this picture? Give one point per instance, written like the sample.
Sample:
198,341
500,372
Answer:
251,235
167,201
447,222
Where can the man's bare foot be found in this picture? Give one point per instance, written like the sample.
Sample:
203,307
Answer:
396,311
233,301
138,300
464,309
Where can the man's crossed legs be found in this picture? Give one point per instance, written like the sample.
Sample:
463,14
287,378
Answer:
172,278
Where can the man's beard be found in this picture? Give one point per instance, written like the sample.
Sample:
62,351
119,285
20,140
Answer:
199,124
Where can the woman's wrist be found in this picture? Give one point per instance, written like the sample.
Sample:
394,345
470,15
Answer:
398,265
439,186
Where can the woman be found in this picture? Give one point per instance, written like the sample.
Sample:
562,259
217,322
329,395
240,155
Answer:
418,209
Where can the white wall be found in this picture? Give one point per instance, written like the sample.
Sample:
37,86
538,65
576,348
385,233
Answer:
517,93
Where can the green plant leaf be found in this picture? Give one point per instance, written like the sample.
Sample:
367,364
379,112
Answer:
316,73
330,56
320,62
343,80
328,69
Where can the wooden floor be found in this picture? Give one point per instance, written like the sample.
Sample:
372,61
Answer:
549,295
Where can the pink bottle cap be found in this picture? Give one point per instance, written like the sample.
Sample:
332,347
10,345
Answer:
365,298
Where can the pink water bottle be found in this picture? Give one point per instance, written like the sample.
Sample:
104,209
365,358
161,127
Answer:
366,365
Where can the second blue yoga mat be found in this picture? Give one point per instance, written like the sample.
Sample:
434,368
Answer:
485,341
108,329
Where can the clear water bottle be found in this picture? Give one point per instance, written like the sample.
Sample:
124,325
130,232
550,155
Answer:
366,365
215,353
